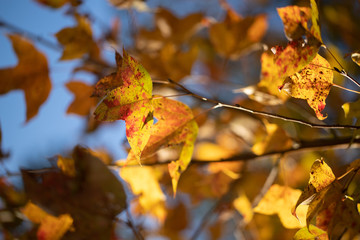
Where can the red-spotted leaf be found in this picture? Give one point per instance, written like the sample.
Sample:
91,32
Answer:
312,83
176,125
31,75
315,27
295,20
131,102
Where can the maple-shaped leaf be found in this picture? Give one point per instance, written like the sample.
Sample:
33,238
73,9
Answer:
280,200
275,139
321,176
176,125
82,103
146,187
77,40
235,35
311,233
312,83
93,197
131,102
32,78
51,227
295,20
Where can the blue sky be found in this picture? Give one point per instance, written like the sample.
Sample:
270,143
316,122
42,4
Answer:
52,131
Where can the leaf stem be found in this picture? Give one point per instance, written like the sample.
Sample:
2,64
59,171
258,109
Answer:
346,89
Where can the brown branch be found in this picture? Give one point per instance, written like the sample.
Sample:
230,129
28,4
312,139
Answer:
261,113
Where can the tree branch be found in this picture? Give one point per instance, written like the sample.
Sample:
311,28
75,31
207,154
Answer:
261,113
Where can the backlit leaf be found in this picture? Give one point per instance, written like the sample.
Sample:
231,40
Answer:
77,40
295,20
355,56
131,102
315,27
352,110
32,78
243,205
82,103
275,139
233,36
311,233
51,227
280,200
312,83
145,185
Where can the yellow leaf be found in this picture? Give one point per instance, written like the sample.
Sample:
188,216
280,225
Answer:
145,185
275,139
51,227
280,200
313,83
311,233
321,175
295,20
208,151
243,206
315,27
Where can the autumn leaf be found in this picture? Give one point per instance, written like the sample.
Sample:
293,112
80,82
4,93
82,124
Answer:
32,78
315,27
243,205
295,20
66,165
175,126
92,198
275,139
280,200
138,5
51,227
310,233
312,83
82,103
77,40
58,3
235,35
145,186
176,221
131,102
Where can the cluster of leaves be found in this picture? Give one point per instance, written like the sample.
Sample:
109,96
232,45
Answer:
177,150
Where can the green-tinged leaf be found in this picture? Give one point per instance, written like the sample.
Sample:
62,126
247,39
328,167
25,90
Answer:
352,110
311,233
131,102
295,20
280,200
93,197
312,83
32,78
146,187
315,27
176,125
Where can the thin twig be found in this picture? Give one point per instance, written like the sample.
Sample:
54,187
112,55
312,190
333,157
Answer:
261,113
346,89
132,226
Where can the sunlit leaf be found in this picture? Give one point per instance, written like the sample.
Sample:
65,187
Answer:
145,185
243,205
234,36
295,20
355,56
77,40
275,139
82,103
131,102
51,227
280,200
32,78
315,27
66,165
311,233
312,83
352,110
138,5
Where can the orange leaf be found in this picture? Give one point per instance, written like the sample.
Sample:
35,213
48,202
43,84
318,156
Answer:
77,40
313,83
130,102
82,103
233,36
32,78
